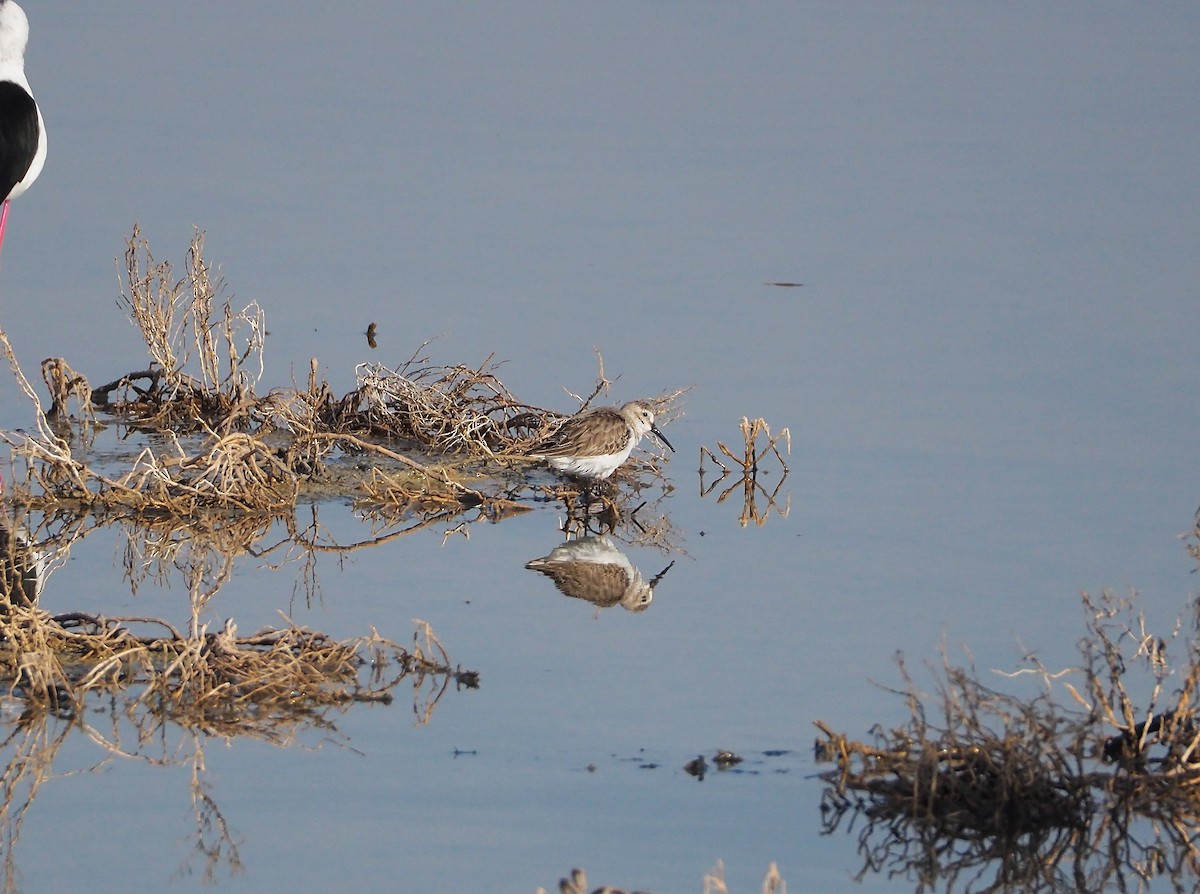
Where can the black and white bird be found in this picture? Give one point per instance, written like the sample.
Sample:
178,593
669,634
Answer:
22,133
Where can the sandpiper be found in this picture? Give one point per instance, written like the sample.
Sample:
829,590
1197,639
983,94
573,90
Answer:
591,445
22,133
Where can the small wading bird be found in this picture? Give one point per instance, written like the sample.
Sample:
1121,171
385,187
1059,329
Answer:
22,133
591,445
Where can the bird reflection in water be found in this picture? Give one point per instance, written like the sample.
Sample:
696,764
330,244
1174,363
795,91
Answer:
22,569
593,569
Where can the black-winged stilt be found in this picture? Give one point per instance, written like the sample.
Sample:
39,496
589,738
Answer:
22,133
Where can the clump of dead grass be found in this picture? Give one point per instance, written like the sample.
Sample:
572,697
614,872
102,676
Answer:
442,409
206,356
216,680
220,446
1018,787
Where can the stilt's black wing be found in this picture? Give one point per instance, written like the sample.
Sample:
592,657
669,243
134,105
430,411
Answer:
18,135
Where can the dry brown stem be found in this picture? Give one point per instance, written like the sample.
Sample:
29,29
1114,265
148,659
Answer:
747,466
209,355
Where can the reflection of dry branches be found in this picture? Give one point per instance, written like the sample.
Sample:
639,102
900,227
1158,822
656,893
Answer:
216,681
431,676
748,465
31,746
621,512
1008,785
154,681
214,839
203,547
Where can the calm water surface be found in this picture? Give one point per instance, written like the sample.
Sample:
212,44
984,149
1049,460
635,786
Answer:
988,375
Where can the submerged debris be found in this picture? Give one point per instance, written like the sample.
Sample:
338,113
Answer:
714,883
726,759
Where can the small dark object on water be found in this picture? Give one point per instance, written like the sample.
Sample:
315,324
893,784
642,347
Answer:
697,767
577,884
785,285
726,759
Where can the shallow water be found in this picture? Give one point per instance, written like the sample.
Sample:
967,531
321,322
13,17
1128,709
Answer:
988,375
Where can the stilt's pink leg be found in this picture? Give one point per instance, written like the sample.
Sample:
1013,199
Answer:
3,221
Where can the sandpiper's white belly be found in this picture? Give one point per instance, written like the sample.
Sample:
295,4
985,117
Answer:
601,466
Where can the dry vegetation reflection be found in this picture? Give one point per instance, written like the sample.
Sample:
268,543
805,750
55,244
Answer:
147,688
1089,784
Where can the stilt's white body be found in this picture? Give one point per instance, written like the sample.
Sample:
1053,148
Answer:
22,131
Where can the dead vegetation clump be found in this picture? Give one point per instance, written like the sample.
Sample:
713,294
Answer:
443,409
214,443
202,674
264,684
1092,783
206,357
139,688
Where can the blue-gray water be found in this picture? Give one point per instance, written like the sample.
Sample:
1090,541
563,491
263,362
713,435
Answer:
988,373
